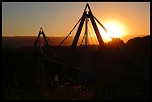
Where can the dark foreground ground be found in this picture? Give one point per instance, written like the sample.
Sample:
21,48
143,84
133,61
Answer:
113,79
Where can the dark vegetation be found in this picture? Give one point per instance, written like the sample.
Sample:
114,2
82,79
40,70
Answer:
26,77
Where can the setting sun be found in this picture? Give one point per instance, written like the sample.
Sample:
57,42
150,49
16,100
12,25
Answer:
114,30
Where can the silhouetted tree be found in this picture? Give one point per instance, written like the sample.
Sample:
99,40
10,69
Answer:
115,43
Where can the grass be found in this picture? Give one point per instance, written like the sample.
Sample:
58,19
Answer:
124,88
62,92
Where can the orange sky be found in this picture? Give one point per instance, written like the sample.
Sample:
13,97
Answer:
58,18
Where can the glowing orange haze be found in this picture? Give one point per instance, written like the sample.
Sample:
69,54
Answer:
57,19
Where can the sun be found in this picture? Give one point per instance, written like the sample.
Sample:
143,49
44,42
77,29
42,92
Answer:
114,30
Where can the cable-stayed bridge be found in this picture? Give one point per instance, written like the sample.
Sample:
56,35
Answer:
73,57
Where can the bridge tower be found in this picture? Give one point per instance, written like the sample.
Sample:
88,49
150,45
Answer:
87,14
44,36
46,46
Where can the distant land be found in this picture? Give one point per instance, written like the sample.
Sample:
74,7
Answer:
21,41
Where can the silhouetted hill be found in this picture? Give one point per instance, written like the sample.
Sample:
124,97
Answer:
125,38
20,41
139,43
140,47
142,40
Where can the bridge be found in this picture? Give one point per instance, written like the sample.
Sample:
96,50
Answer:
71,58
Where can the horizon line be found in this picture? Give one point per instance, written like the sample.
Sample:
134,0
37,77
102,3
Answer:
65,36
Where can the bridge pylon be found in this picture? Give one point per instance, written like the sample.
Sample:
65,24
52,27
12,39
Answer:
46,45
87,14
